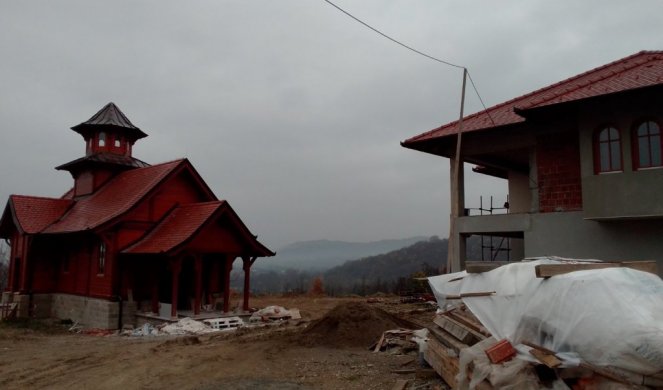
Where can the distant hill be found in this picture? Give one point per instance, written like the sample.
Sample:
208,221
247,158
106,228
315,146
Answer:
320,255
387,272
424,256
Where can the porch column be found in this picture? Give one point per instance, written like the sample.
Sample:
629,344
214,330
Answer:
198,269
214,277
23,285
176,267
226,282
154,280
248,262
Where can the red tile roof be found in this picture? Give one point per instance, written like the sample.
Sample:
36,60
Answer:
643,69
184,222
34,213
177,227
113,199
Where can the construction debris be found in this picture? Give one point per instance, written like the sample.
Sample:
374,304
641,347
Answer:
602,326
274,313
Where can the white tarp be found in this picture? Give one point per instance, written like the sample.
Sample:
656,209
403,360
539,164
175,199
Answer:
609,317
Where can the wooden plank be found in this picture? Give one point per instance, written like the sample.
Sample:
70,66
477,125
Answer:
461,332
645,266
477,267
549,360
446,338
379,343
400,384
404,371
535,346
445,365
471,294
470,323
548,270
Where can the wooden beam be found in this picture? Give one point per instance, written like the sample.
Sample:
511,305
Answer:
550,360
446,338
548,270
469,323
477,267
461,332
471,294
442,362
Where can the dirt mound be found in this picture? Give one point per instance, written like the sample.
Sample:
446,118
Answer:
351,324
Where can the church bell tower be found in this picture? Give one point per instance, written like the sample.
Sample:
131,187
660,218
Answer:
109,138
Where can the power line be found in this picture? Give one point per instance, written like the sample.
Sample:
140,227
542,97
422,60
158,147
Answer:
480,99
392,39
418,52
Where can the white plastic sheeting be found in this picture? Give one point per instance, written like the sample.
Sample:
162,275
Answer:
609,317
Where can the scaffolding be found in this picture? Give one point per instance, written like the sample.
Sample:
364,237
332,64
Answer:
492,244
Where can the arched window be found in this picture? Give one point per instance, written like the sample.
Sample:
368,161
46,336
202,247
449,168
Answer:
102,139
648,145
608,150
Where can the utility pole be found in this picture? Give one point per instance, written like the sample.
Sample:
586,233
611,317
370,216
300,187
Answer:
456,253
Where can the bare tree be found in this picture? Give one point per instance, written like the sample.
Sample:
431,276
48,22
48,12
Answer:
4,265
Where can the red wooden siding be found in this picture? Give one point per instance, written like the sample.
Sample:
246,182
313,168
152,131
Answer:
217,238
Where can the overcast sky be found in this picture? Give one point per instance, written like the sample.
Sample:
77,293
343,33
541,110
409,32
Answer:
290,110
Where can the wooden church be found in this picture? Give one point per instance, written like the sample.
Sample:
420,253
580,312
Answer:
129,242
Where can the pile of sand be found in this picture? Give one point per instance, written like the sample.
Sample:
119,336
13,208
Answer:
352,324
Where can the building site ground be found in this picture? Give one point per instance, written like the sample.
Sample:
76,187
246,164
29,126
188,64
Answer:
285,356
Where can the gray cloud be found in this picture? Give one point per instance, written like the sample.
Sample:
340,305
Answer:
289,109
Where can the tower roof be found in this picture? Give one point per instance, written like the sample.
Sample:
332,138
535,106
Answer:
110,116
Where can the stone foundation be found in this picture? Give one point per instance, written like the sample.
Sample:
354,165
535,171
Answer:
87,312
41,305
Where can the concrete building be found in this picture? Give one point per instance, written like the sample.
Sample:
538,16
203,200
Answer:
582,158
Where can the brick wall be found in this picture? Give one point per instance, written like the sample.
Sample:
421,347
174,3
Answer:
558,167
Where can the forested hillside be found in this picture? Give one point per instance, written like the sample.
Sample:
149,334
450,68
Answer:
389,272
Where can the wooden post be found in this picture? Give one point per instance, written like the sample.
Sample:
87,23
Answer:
176,267
226,282
214,276
198,269
456,249
247,281
155,292
24,285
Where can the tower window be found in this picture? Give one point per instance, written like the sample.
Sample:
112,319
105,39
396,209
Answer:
102,139
648,145
117,143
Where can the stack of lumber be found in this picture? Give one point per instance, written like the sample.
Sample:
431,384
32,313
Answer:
452,331
458,329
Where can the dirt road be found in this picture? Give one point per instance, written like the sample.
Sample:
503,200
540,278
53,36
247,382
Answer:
266,358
